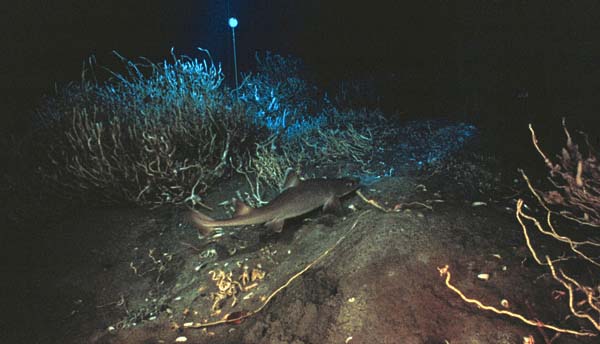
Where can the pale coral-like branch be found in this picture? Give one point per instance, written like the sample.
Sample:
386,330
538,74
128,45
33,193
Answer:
445,272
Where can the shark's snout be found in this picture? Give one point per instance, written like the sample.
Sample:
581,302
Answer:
347,186
352,182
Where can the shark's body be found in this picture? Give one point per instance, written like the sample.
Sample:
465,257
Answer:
298,198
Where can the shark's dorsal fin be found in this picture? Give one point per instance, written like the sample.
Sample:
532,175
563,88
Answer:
241,208
291,180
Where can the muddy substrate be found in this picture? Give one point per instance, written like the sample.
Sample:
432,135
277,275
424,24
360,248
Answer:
137,276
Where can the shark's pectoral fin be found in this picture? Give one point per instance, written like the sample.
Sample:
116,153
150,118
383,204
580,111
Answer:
333,205
241,208
276,225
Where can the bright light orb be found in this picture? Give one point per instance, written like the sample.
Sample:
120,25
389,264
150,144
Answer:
233,22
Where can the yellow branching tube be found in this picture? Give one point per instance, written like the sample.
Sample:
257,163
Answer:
197,325
444,271
569,286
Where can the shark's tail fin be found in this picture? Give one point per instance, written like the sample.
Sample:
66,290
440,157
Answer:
202,222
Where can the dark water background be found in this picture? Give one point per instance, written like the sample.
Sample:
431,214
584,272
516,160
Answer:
500,61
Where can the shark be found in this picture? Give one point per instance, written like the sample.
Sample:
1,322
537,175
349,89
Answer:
297,198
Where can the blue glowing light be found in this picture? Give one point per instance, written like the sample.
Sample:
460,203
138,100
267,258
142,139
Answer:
233,22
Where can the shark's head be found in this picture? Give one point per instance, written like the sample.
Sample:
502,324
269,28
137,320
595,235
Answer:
344,186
